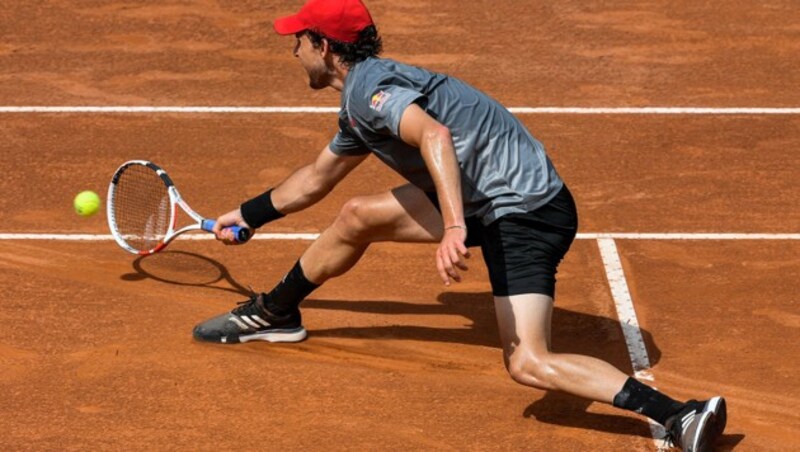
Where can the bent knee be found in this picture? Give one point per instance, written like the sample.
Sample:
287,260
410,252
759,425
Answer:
531,370
353,223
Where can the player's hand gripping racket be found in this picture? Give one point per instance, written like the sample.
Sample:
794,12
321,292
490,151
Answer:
142,209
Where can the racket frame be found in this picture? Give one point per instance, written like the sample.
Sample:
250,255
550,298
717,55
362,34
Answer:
175,199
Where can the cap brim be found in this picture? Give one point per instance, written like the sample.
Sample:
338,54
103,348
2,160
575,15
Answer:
289,25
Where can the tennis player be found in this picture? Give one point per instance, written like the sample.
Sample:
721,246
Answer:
476,177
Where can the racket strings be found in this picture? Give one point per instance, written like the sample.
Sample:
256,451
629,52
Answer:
141,207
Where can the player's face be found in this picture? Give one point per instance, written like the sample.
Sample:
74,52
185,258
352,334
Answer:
312,61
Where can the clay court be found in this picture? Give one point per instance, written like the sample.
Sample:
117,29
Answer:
699,206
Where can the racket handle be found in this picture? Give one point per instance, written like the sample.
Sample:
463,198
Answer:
240,234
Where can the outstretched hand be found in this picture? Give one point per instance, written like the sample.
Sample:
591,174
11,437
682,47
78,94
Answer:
451,255
232,218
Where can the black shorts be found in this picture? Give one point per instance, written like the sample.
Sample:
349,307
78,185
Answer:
522,250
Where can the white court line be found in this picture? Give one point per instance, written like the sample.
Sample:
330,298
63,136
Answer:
630,324
327,110
104,237
689,236
625,310
313,236
165,109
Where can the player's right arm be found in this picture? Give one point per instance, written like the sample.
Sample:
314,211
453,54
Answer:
308,185
302,189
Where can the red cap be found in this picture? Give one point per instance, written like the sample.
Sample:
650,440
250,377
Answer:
341,20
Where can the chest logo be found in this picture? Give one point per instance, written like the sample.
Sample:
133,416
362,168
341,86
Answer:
378,99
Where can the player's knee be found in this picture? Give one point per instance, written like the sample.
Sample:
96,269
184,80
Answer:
530,369
352,224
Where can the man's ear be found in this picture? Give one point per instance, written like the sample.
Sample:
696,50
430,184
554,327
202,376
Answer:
324,48
325,51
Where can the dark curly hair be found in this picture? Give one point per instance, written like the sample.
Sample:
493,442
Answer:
369,44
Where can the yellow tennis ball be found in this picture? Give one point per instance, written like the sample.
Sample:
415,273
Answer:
87,203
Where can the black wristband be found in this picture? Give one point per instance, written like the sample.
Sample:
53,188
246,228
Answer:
259,211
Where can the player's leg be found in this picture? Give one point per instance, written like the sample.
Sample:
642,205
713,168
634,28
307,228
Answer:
524,322
522,253
404,214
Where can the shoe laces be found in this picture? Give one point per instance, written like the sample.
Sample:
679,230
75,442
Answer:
248,306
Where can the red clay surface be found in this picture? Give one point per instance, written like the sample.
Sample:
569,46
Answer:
96,350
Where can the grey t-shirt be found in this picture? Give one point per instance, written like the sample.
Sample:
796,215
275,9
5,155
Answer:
504,169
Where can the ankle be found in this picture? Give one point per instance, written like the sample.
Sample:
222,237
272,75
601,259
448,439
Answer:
286,297
275,309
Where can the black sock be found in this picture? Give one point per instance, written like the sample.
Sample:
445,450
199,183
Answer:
640,398
287,295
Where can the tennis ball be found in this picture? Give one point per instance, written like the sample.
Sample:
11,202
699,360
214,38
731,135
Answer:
87,203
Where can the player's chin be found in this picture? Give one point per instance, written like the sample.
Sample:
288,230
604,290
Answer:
317,80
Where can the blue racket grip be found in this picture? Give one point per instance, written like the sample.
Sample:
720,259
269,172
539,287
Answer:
240,234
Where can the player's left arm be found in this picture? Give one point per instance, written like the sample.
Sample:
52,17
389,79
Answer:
435,143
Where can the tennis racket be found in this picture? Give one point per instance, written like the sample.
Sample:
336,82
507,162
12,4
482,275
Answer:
142,209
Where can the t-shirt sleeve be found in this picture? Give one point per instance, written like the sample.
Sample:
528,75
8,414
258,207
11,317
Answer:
346,142
385,106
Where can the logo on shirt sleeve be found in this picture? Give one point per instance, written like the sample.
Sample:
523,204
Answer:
378,99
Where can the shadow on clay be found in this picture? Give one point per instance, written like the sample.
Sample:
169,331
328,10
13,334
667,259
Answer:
182,268
572,332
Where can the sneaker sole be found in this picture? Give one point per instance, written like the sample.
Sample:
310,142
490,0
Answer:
295,335
717,406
